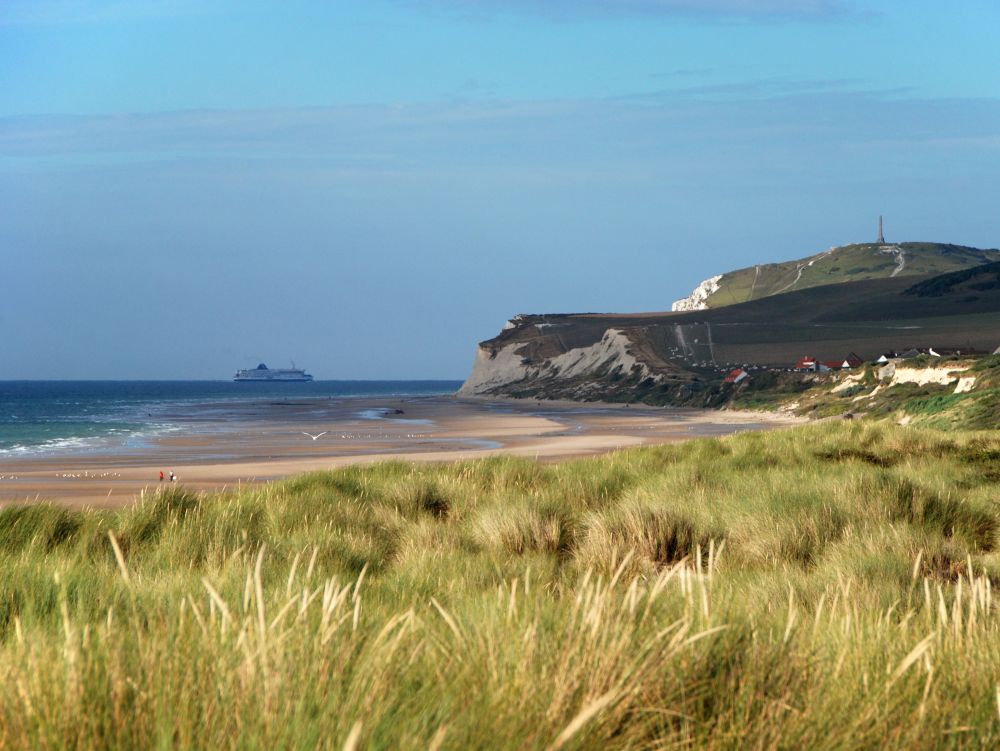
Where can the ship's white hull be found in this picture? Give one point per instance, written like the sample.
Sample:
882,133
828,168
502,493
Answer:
262,373
290,378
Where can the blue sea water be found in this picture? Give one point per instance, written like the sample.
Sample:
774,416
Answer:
44,416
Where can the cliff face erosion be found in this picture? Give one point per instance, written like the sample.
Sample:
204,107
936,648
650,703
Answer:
580,357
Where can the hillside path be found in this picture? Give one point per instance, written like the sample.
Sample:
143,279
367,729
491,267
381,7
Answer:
900,261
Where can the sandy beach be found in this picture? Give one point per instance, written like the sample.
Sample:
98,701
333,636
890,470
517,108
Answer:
216,445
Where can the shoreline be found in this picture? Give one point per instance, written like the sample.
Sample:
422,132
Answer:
747,415
219,445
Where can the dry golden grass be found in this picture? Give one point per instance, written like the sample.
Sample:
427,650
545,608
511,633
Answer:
826,587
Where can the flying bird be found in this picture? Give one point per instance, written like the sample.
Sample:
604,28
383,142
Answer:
314,437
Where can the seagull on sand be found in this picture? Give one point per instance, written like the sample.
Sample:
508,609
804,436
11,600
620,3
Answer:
314,437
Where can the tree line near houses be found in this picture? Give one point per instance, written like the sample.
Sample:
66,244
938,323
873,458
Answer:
808,364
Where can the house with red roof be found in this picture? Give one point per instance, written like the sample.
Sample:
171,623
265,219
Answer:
807,365
735,376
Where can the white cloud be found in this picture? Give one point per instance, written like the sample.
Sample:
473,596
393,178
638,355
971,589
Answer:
751,129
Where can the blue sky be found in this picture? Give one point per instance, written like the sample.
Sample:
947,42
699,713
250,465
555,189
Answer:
372,187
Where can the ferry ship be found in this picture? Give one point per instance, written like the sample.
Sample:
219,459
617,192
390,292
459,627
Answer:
264,373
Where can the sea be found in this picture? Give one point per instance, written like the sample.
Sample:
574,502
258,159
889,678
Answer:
43,417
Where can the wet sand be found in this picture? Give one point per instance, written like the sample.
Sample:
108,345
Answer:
217,445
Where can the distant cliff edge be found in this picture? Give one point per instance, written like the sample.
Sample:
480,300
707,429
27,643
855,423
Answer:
684,356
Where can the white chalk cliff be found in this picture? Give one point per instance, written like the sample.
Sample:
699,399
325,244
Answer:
494,370
698,299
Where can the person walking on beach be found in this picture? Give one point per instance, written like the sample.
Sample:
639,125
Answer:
161,475
173,477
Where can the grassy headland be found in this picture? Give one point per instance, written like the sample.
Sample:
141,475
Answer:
828,586
848,263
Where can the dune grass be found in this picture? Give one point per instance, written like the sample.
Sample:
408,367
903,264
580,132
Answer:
827,587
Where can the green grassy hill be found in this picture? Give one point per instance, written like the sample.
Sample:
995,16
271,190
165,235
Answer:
846,264
826,587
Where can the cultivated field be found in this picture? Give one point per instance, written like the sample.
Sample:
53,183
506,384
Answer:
826,587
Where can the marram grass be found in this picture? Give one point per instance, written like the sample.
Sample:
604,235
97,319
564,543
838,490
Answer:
828,587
